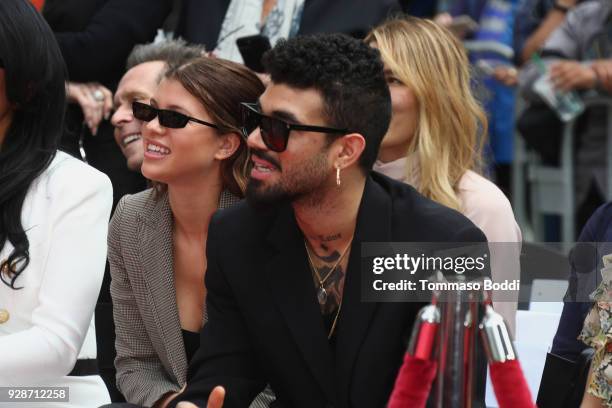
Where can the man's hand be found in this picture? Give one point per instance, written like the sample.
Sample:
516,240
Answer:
572,75
506,75
603,71
567,3
215,400
95,100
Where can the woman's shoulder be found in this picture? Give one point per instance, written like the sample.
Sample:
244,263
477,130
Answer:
67,179
66,170
139,202
142,205
488,207
474,188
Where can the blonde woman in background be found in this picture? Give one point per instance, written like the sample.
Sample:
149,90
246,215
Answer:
433,140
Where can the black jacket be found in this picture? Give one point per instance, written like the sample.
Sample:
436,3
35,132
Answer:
201,21
265,325
96,36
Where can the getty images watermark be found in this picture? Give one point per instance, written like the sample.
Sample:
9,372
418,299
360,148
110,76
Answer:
448,266
513,272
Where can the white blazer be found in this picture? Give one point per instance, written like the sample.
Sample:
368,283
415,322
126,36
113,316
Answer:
65,215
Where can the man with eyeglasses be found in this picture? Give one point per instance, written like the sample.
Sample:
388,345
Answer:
284,268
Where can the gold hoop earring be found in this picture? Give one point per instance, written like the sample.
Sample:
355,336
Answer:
338,181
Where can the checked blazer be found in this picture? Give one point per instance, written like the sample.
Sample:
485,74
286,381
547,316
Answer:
151,359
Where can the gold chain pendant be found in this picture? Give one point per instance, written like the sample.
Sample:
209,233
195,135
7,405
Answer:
321,295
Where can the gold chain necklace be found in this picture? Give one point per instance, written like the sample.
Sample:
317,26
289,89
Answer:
331,331
321,292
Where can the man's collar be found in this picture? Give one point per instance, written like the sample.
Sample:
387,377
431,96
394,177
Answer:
373,219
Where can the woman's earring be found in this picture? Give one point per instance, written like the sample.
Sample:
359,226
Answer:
338,181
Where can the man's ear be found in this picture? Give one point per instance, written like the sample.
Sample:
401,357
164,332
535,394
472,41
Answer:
230,142
349,150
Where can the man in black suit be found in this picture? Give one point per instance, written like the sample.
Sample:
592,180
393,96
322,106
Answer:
284,278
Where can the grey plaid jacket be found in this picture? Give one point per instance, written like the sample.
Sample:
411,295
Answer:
151,359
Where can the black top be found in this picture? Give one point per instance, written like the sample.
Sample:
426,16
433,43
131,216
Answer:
191,341
264,321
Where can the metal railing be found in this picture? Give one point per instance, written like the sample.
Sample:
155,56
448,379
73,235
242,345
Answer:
552,189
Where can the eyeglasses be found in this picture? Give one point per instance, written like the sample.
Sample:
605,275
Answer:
167,118
274,132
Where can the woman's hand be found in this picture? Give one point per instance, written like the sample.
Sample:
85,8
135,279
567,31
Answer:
96,102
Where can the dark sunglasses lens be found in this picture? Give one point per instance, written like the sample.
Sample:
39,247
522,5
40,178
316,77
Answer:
274,134
250,120
173,120
143,112
1,63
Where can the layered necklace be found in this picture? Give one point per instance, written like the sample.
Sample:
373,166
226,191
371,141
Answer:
321,292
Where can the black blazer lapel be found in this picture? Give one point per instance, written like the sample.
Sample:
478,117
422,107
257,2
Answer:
373,225
292,288
157,262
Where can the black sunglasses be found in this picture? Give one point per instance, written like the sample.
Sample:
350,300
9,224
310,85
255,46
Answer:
167,118
274,132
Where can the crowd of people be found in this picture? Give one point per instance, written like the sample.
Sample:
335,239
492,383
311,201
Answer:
180,229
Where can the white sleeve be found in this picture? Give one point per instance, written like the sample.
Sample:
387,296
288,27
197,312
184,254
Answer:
80,201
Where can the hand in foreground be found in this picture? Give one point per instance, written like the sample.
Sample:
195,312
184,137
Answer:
603,70
95,100
572,75
215,400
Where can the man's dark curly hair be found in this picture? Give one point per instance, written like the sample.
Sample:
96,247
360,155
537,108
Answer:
348,73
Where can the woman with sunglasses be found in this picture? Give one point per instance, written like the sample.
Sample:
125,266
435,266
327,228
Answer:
433,140
54,213
197,161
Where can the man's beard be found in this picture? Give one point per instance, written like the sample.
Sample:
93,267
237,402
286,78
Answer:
303,182
260,197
